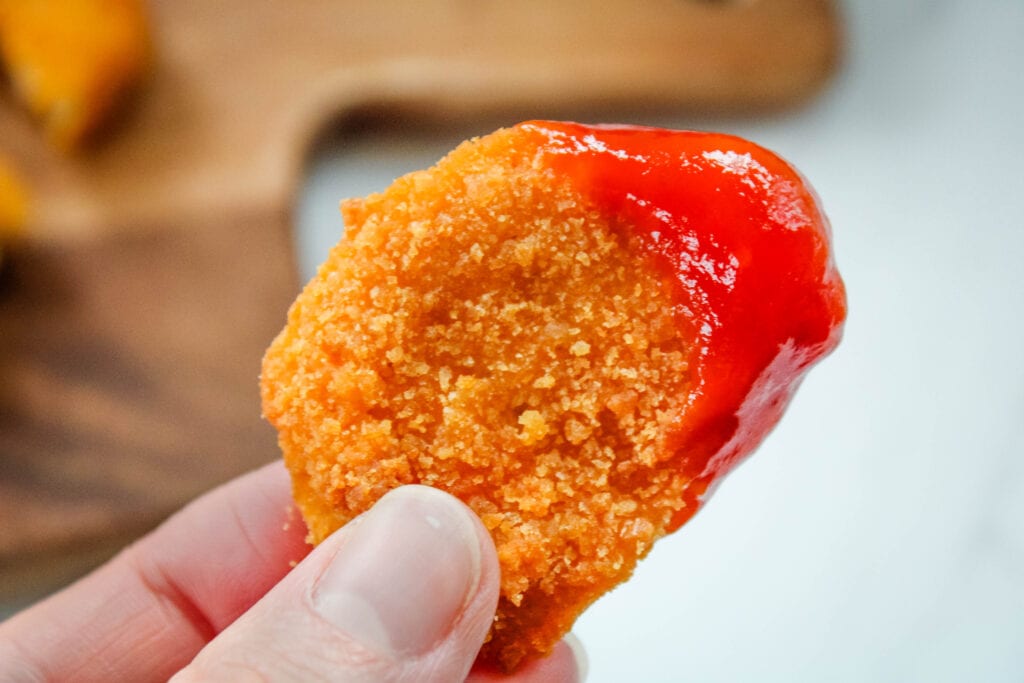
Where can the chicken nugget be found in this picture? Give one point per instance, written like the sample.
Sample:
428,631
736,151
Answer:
575,330
72,61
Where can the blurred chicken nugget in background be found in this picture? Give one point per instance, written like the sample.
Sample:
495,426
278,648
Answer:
71,62
13,203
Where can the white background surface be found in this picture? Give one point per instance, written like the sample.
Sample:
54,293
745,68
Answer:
878,535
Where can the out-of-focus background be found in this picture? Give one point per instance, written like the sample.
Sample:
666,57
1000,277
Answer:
878,534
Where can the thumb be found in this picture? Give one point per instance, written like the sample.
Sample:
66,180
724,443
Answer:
406,592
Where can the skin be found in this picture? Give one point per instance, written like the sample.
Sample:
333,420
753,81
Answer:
212,595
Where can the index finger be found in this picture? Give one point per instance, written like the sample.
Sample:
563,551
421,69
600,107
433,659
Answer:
146,613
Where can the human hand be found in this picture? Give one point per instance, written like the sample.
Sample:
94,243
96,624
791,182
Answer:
406,592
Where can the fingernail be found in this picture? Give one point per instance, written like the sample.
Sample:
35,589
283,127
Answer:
404,573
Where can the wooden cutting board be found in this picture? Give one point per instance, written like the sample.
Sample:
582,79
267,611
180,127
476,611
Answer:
160,263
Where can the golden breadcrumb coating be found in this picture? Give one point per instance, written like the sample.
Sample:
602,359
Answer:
483,329
70,61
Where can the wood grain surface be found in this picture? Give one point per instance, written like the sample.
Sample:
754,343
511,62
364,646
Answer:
159,262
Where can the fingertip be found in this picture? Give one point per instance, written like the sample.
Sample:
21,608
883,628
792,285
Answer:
404,573
567,663
579,655
407,589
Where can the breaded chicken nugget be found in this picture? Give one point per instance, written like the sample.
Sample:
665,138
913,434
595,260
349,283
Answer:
573,329
13,202
72,61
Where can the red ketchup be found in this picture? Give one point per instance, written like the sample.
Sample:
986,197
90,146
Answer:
746,251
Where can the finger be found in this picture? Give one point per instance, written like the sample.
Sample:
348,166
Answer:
147,612
406,592
567,663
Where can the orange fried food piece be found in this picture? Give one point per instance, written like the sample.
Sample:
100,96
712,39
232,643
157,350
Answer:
518,326
13,202
71,61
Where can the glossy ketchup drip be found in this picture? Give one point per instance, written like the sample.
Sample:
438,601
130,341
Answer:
745,250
